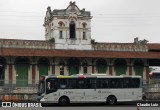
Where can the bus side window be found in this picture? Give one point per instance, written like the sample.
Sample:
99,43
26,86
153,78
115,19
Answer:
90,83
63,84
71,83
127,83
81,84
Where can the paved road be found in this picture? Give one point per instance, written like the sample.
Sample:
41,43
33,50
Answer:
84,108
121,106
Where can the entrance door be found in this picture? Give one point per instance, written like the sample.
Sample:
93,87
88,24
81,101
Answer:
73,70
73,65
43,69
22,75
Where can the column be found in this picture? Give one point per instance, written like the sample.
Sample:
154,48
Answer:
33,73
110,70
93,66
6,76
53,69
130,70
10,73
93,69
147,73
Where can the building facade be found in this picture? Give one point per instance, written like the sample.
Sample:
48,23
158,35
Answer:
70,28
69,49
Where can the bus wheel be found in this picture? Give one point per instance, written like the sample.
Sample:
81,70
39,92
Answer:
111,100
144,98
64,101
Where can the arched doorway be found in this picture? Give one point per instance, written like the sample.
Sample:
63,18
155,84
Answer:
139,67
101,66
2,70
73,66
43,66
22,66
120,66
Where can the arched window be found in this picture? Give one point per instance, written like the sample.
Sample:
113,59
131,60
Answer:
101,66
120,66
73,65
72,30
43,66
84,25
139,67
61,24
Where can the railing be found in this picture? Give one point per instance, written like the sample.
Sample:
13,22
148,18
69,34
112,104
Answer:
36,44
23,91
120,47
151,89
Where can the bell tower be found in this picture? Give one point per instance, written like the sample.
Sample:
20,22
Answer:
69,28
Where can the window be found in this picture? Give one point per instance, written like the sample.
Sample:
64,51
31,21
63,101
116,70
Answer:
136,83
72,29
62,83
90,83
61,70
103,83
155,75
84,35
68,83
51,85
60,34
71,84
85,69
81,83
84,25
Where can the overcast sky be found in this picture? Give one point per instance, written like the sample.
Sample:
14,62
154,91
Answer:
113,20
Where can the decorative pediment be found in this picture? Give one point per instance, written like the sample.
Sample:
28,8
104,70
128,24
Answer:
73,9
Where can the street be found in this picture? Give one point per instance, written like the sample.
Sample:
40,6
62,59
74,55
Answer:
91,106
85,108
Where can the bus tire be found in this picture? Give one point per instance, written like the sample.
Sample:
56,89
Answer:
144,98
111,100
63,101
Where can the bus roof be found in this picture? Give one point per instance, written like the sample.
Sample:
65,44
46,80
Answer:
91,76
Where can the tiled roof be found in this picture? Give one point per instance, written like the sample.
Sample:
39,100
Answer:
76,53
154,46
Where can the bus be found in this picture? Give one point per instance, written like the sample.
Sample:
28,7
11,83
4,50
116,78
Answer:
89,89
154,75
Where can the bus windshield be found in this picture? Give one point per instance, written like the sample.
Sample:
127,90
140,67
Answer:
51,85
154,75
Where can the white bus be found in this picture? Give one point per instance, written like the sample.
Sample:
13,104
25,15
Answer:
89,89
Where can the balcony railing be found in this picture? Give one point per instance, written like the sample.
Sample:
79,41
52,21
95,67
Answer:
120,47
36,44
